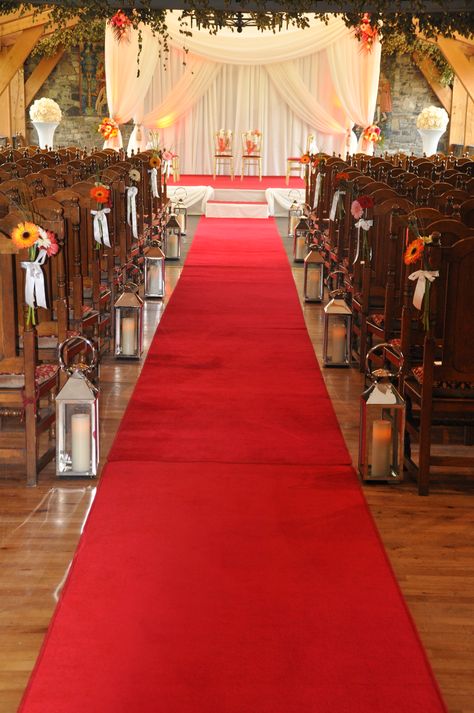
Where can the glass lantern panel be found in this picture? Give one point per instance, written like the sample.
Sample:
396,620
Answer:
313,282
154,278
173,243
384,430
77,449
127,331
337,344
299,246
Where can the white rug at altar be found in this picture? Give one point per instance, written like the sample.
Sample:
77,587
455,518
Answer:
277,200
228,209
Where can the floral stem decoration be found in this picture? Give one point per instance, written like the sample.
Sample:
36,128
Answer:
40,244
108,128
421,297
341,185
120,25
366,32
101,195
359,212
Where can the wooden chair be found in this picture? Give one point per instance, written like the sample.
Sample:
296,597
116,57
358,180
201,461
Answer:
293,163
223,151
252,151
440,391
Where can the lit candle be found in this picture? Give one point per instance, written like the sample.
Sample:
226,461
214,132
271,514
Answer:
381,448
155,279
338,342
180,218
172,245
128,336
313,284
294,220
300,252
81,442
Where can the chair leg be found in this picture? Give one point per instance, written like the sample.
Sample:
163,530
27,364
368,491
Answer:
260,168
215,169
232,169
424,448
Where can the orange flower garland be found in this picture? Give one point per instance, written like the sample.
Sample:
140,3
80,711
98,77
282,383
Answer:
366,33
120,24
372,133
305,159
155,161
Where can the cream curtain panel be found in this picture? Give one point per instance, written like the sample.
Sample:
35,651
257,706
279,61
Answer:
288,85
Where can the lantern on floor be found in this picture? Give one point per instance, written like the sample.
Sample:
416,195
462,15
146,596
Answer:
300,240
77,418
337,328
172,239
382,425
154,270
295,212
313,284
179,209
129,323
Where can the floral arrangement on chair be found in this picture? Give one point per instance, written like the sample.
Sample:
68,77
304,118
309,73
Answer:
366,32
432,117
224,140
252,141
100,193
120,25
40,244
46,110
108,128
359,212
414,252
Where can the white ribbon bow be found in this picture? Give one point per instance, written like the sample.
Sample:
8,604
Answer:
154,182
101,227
132,209
317,192
166,167
421,276
364,224
335,200
34,281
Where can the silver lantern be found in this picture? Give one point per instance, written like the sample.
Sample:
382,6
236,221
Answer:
172,239
179,209
382,426
313,283
77,418
154,271
300,240
294,213
337,346
128,311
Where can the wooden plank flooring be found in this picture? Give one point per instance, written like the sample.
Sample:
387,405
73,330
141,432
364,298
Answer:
430,541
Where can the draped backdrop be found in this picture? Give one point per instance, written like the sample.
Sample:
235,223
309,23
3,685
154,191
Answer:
289,84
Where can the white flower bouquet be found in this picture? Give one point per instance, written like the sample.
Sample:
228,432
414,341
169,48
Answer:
46,110
432,117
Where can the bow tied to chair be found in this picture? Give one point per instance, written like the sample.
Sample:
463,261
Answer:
423,277
132,209
154,182
101,227
35,293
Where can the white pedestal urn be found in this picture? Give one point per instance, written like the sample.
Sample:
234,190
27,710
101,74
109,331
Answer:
430,139
45,131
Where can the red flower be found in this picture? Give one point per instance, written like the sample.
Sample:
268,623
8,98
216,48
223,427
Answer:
366,201
343,176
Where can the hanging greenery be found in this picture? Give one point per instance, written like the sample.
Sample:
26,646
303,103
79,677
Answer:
294,12
400,45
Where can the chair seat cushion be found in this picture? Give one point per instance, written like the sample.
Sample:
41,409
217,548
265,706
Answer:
294,158
12,373
448,389
377,319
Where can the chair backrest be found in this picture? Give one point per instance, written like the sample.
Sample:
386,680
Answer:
252,142
223,142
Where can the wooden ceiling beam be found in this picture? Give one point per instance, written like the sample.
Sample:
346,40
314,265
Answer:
454,54
40,74
11,24
16,55
432,76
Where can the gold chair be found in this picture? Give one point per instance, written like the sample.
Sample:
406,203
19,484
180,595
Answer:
223,151
252,150
293,163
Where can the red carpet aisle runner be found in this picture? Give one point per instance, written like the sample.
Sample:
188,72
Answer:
230,564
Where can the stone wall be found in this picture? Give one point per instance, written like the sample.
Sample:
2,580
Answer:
77,84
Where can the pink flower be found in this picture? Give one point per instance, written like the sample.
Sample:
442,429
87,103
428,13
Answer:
357,210
167,156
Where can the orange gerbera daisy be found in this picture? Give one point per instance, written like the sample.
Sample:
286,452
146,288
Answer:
414,251
100,194
305,158
25,235
155,161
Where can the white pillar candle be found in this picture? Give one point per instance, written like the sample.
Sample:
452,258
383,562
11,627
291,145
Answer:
313,284
172,245
154,279
81,442
381,448
181,221
128,336
294,220
338,342
300,251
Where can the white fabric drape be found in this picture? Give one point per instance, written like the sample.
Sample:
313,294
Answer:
355,74
254,47
125,91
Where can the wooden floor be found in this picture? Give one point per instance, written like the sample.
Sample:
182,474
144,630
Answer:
430,541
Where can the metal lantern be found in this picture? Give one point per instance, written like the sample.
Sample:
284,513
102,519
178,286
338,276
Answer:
154,271
337,328
382,426
77,418
179,209
295,212
129,323
313,286
172,239
300,240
